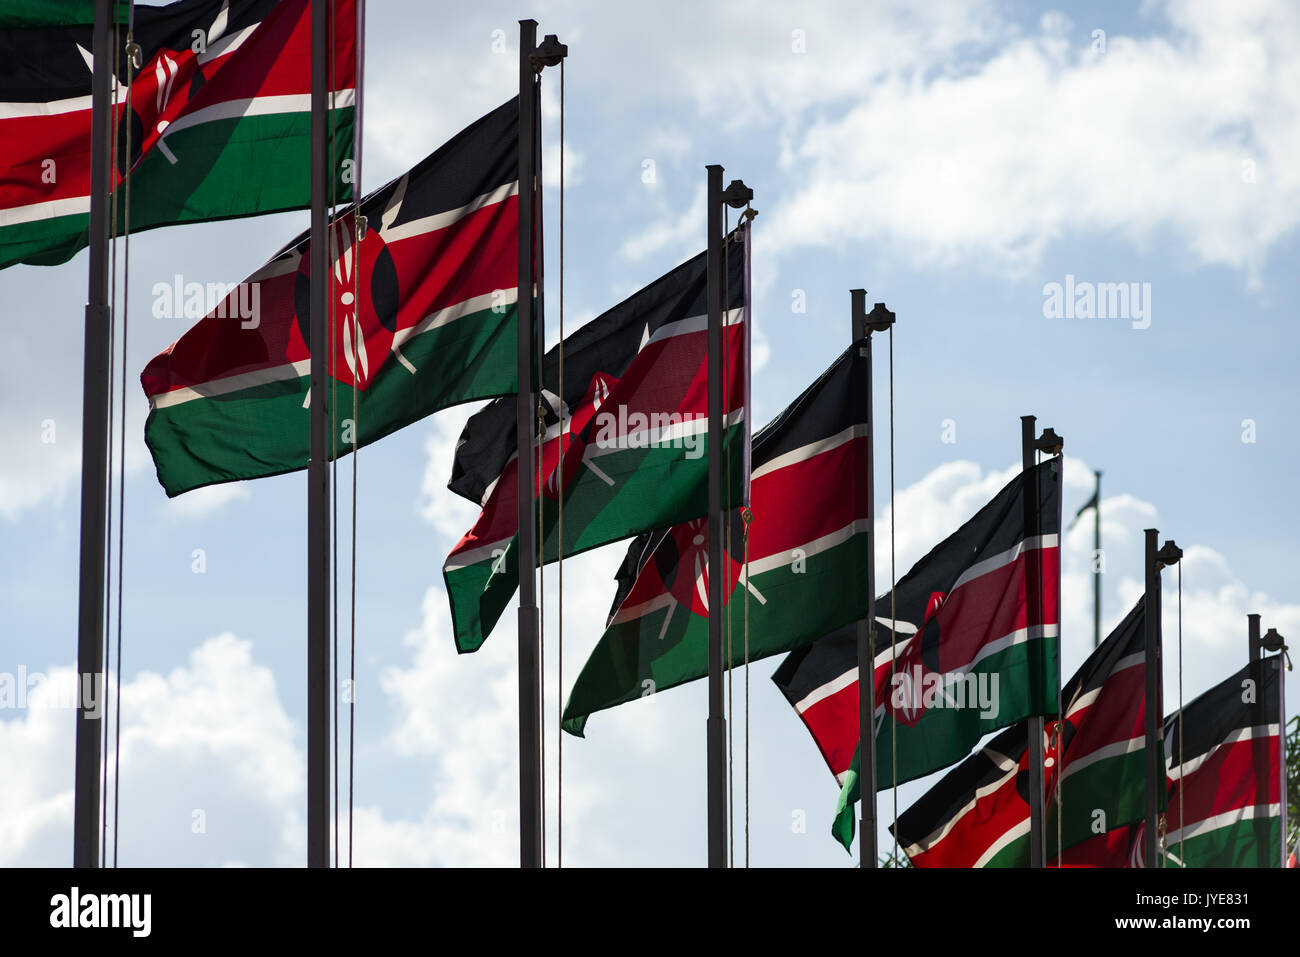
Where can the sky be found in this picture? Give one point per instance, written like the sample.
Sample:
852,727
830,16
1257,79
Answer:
955,159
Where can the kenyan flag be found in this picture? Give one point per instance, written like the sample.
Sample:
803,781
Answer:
978,813
632,452
969,659
422,315
219,117
1225,797
807,555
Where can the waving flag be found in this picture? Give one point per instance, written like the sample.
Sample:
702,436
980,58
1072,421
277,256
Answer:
969,659
632,455
219,117
1228,782
423,307
978,813
807,555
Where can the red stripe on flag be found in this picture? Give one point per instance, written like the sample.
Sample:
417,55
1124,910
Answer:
833,723
976,613
475,256
978,829
806,500
1226,781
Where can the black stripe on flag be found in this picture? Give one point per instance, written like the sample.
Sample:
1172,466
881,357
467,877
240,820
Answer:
994,529
1213,717
43,64
834,403
607,345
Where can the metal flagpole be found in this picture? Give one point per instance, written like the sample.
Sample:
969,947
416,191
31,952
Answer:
530,732
1096,564
862,328
736,195
716,724
1033,609
1168,554
1271,642
318,479
532,60
1258,748
1151,612
1281,732
94,464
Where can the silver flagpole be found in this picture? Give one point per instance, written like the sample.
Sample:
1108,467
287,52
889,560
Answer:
318,478
716,723
530,733
736,195
532,60
862,327
1273,642
1096,564
94,464
1281,741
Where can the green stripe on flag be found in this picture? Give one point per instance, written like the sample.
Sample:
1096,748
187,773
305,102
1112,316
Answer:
629,491
1248,842
263,430
24,14
944,736
667,647
224,169
1099,797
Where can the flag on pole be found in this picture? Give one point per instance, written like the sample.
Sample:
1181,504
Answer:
968,659
1227,781
633,453
218,121
1091,503
423,309
977,815
807,553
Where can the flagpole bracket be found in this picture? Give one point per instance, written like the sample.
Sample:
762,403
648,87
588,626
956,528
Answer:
550,52
879,319
1274,642
737,195
1049,442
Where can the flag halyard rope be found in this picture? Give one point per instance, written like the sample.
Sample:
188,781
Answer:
1182,828
359,227
559,653
726,556
108,513
893,612
131,66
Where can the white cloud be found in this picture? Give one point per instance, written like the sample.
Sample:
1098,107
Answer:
447,512
459,714
36,472
1046,138
679,232
203,501
209,741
